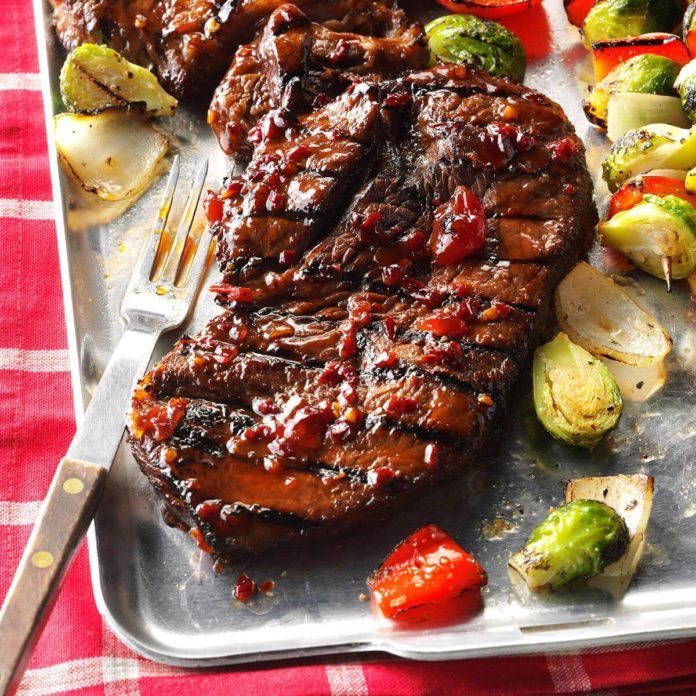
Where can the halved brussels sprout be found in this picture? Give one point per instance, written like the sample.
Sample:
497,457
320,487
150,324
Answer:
632,498
614,19
659,146
96,77
646,74
577,540
685,84
658,228
114,154
600,316
575,396
462,38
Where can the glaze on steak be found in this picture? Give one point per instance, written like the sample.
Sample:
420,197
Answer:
349,372
296,64
189,43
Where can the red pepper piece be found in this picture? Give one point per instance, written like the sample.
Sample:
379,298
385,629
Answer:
632,192
427,568
607,54
577,10
459,227
244,588
214,207
490,9
444,325
233,293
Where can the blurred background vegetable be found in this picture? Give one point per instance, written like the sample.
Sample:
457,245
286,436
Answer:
689,28
607,54
575,396
490,9
479,42
610,19
577,540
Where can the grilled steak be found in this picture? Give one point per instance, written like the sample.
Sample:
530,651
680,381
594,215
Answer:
295,63
189,45
352,368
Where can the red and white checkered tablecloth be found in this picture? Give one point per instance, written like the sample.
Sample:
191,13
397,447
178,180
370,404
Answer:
77,653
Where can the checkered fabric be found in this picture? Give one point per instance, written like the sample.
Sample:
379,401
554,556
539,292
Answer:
77,653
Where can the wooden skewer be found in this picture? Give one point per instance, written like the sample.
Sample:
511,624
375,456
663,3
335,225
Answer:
667,270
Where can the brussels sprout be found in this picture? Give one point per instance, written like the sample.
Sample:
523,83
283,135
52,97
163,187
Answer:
646,73
685,85
658,227
659,146
462,38
615,19
96,77
575,397
577,540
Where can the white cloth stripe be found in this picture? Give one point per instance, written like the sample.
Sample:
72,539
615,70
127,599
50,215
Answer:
26,210
30,81
568,673
92,671
34,360
12,513
346,680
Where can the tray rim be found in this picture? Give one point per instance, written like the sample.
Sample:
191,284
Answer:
679,627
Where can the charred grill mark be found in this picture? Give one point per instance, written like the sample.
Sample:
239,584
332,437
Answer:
269,515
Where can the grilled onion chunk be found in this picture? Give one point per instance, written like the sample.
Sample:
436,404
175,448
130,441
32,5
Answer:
96,77
575,396
577,540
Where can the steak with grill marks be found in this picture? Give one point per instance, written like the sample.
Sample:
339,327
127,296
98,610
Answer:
349,371
189,43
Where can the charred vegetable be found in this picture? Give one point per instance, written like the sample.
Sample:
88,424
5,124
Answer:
689,28
600,316
96,77
632,192
575,397
577,540
645,73
659,146
658,228
478,42
607,54
686,86
610,19
631,497
113,154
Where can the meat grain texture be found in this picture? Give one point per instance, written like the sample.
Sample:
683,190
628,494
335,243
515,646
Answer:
349,372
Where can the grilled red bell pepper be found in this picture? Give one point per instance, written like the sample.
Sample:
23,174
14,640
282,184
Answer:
690,40
490,9
689,28
632,192
577,10
428,568
607,54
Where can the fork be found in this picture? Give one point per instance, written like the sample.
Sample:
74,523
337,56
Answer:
154,303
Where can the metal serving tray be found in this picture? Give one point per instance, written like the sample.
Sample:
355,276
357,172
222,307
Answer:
162,597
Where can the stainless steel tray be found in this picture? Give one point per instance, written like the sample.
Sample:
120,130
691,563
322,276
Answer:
163,599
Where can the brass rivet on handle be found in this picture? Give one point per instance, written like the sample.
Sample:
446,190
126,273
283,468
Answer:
42,559
73,486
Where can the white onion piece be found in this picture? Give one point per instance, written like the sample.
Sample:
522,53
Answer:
631,497
88,210
637,382
601,317
113,154
629,110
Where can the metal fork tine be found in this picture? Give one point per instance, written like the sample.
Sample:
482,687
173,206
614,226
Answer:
143,269
176,251
195,273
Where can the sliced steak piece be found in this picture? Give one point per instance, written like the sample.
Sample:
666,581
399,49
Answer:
296,64
350,369
189,45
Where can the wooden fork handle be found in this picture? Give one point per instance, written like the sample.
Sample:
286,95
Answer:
63,520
